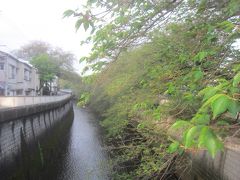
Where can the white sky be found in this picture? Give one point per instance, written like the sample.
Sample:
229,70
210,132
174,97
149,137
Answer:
22,21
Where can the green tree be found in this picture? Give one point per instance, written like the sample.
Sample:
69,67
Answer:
36,48
120,25
47,69
51,62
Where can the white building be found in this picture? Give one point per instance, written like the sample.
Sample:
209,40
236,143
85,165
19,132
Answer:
17,77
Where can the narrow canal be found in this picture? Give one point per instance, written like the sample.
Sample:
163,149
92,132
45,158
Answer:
84,158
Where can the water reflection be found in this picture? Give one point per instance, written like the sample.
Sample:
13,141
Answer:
84,158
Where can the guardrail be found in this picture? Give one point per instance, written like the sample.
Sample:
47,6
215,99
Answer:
10,101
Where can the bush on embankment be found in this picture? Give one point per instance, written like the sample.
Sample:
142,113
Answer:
186,76
183,73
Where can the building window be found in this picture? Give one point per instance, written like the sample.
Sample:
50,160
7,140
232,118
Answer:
1,66
19,92
27,93
12,72
2,92
26,75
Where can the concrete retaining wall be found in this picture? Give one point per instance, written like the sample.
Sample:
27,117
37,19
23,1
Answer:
225,166
16,101
25,126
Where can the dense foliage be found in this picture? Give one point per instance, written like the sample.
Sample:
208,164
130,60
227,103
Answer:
177,83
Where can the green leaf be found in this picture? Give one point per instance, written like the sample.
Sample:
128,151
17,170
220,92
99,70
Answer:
202,136
140,126
173,147
208,92
213,145
180,124
68,13
226,26
210,100
85,25
78,24
236,80
209,140
197,75
157,116
191,135
171,89
200,56
233,107
223,83
90,2
220,105
202,119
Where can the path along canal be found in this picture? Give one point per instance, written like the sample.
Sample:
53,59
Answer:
84,157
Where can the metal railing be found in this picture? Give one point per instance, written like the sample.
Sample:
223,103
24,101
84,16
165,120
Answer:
15,101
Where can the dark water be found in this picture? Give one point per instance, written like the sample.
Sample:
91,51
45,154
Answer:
84,158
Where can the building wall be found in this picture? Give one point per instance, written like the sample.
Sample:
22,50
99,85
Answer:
18,78
3,74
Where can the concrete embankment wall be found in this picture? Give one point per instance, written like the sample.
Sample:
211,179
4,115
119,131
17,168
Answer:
27,135
225,166
17,101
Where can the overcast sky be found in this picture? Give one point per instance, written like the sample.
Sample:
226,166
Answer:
22,21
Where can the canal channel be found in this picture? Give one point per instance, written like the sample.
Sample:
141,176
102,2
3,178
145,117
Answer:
84,157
